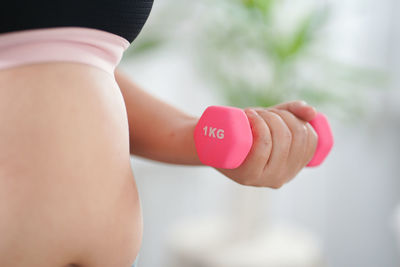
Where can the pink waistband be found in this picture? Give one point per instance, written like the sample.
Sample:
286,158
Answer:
77,44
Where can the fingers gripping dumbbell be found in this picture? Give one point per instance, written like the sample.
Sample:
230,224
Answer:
223,137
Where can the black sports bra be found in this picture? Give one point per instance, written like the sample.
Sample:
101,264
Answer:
125,18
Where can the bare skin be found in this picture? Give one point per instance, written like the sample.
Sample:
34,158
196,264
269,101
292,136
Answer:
67,192
283,140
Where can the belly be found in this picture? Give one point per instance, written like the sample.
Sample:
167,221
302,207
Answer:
67,191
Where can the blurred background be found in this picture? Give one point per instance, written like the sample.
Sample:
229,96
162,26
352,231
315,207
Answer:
340,56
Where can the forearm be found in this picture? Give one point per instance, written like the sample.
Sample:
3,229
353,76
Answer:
158,131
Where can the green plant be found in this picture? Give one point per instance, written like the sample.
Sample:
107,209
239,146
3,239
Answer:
257,53
255,61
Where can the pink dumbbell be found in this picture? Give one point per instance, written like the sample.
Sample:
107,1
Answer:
223,137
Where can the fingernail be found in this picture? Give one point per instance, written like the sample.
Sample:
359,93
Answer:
314,109
303,103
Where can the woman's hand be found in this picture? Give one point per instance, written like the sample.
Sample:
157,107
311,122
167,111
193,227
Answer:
283,143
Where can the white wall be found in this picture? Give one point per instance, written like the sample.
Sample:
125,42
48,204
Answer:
348,202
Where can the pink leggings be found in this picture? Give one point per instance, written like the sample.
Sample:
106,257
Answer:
74,44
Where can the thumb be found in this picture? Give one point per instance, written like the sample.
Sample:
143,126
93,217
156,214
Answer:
299,108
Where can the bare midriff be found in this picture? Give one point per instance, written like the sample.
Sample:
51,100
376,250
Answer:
67,192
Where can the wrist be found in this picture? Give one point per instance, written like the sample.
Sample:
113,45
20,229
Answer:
189,147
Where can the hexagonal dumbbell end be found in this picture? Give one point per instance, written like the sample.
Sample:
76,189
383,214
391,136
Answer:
325,139
223,137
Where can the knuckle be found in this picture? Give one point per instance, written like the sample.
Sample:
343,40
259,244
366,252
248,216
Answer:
276,185
292,126
250,180
241,181
277,182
